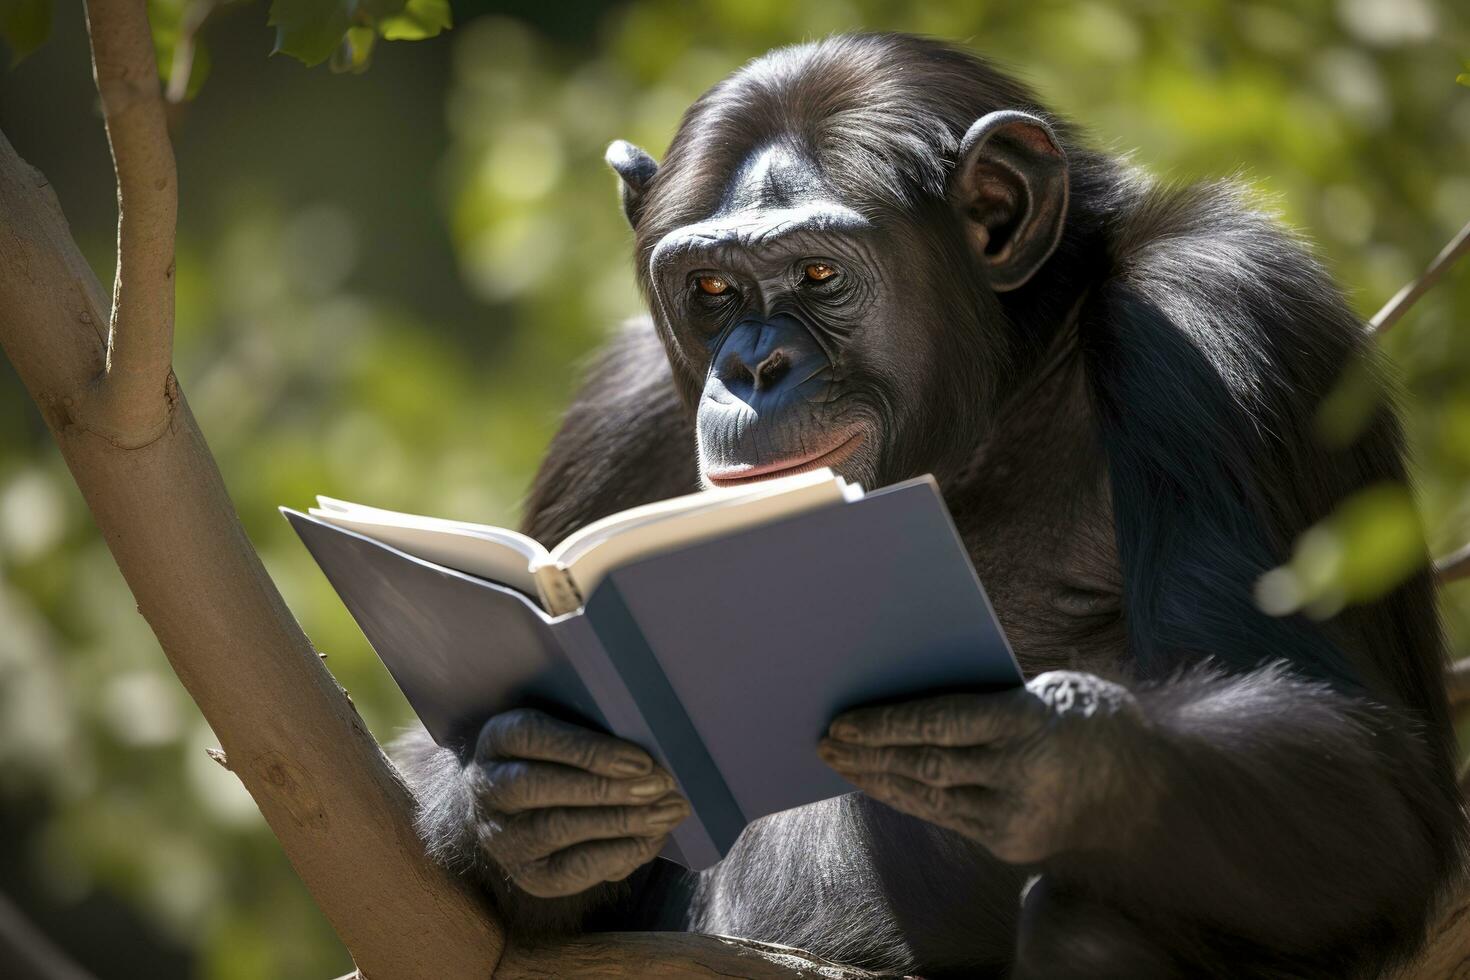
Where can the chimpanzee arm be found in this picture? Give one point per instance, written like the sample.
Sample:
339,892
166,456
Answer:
1252,818
1283,822
559,847
447,822
1308,802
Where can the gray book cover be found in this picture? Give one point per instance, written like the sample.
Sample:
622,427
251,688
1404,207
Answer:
725,659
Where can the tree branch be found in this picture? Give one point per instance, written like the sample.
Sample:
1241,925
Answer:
655,955
1394,309
1457,682
1454,566
338,808
132,402
26,951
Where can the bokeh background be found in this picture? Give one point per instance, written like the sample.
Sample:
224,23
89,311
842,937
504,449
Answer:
385,281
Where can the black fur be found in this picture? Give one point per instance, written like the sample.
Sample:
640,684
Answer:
1137,449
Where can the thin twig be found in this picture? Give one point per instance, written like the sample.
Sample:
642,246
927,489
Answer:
27,950
1405,298
1454,566
1457,680
133,402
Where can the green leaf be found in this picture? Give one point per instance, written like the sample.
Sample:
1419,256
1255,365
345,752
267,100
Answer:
420,19
355,52
1463,78
310,30
1369,545
24,25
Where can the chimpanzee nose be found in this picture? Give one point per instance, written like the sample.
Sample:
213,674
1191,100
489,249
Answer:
765,374
761,359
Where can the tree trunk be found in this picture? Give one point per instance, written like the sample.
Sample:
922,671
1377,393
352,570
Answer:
331,797
125,430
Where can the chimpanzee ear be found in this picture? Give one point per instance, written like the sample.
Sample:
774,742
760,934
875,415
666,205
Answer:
1010,187
636,169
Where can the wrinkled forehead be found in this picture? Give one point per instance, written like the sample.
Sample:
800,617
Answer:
775,197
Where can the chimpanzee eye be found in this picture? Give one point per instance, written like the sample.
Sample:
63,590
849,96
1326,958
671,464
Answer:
819,272
713,285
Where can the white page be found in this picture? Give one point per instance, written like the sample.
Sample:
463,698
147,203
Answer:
589,557
495,553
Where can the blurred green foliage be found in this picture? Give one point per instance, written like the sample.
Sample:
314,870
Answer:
384,284
24,25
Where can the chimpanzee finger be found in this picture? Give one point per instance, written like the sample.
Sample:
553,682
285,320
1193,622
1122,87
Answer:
537,834
981,765
511,787
526,733
578,868
968,810
950,719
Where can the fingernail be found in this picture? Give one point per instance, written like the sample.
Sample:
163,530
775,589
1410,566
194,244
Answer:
645,788
834,754
671,812
630,767
844,730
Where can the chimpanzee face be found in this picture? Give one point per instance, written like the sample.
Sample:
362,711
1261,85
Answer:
809,330
772,301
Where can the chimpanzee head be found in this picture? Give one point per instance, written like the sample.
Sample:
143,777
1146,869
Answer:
825,247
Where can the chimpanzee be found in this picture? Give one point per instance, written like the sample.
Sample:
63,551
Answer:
879,253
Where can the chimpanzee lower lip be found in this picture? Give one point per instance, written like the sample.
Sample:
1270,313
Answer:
766,471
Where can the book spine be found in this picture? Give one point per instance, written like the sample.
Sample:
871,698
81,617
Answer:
557,591
717,821
691,844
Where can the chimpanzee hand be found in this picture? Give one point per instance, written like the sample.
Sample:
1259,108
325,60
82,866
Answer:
1029,773
562,808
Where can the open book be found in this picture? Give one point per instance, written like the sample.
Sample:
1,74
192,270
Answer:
720,631
562,576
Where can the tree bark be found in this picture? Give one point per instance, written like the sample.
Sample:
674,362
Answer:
1447,953
654,955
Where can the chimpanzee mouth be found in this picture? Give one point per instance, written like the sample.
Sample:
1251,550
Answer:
847,443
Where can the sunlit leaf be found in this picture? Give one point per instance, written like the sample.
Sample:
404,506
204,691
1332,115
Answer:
24,26
419,19
1364,550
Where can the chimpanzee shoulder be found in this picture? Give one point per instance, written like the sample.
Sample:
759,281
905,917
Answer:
1210,349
